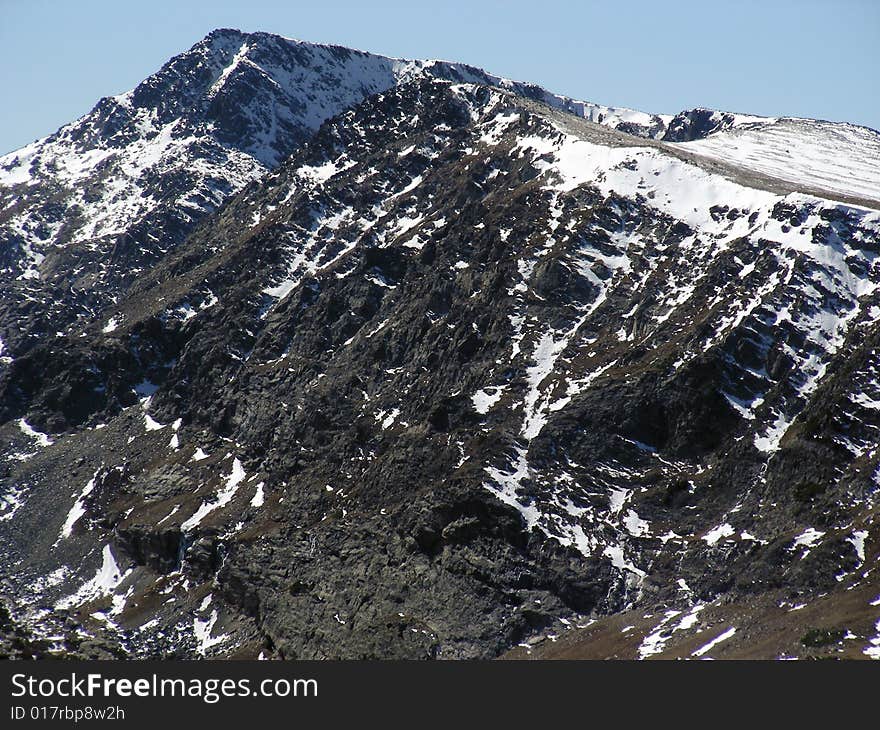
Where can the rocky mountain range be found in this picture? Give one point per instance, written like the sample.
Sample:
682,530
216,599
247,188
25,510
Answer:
307,352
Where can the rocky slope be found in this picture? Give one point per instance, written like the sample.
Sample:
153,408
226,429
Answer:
84,211
375,358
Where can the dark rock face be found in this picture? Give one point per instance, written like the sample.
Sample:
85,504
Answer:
460,372
696,124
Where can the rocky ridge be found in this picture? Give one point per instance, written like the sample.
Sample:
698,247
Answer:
459,370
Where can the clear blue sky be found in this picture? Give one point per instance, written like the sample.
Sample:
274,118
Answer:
775,57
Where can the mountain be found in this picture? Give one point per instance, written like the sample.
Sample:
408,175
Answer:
311,353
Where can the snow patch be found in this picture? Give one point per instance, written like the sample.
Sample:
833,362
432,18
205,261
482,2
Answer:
105,582
258,498
485,398
78,509
222,498
706,648
718,533
42,439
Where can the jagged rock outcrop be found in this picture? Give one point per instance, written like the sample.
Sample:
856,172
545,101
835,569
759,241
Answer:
458,369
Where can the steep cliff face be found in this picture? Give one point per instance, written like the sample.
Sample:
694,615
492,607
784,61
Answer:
461,369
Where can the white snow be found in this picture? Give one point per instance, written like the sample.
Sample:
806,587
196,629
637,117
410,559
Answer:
840,158
656,641
858,542
221,499
11,502
617,498
322,173
706,648
258,498
203,630
78,509
550,346
495,128
690,620
105,582
506,484
682,190
769,440
388,418
42,439
169,515
485,398
635,525
150,424
718,533
618,560
809,538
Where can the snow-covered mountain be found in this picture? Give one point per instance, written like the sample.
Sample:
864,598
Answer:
310,353
86,209
831,159
211,120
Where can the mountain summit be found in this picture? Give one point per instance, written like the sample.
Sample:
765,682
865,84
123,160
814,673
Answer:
307,352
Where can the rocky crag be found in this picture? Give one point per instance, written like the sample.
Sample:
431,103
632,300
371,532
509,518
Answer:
311,353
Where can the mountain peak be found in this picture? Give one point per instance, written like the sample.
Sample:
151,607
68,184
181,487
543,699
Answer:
219,33
309,352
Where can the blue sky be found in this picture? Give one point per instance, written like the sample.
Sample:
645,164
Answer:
774,57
